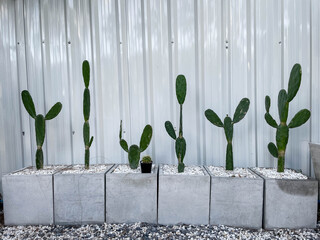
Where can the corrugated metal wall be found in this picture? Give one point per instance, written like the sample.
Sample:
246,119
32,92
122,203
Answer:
226,49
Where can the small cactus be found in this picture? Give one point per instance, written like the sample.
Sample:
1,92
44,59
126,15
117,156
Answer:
181,91
227,124
284,98
40,125
86,113
134,151
146,159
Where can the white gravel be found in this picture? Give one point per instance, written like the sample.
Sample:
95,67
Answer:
92,169
127,169
151,231
46,170
188,170
237,172
287,174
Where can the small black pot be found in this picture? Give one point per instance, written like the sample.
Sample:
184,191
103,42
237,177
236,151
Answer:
146,167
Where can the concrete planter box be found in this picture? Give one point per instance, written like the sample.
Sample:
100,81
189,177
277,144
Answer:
290,203
315,156
131,197
28,199
236,201
79,198
183,198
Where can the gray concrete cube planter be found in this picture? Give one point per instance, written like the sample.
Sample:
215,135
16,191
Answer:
79,198
28,199
290,203
315,156
131,197
183,198
236,201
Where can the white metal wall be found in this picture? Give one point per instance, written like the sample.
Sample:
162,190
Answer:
226,49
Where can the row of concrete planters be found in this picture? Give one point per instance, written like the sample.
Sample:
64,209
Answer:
131,197
183,198
79,198
236,201
290,203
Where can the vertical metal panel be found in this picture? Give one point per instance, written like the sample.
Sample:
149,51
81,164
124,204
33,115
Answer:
297,50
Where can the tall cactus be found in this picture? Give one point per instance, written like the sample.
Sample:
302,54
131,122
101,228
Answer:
282,134
86,112
40,125
227,124
134,151
181,91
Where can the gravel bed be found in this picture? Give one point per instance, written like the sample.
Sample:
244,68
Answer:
151,231
127,169
44,171
287,174
236,172
188,170
81,169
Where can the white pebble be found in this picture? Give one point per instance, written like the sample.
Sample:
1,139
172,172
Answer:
236,172
188,170
287,174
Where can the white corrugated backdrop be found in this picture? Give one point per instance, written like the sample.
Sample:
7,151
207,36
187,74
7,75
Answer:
227,49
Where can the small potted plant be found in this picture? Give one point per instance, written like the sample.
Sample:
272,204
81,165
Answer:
146,164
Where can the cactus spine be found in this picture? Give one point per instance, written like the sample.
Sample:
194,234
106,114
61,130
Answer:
40,124
227,124
282,134
134,151
86,112
181,91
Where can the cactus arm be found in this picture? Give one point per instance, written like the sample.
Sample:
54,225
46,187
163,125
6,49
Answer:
241,110
300,118
145,138
273,149
124,145
228,128
86,104
39,158
91,140
28,103
181,88
294,81
134,156
229,157
170,130
120,131
40,127
180,125
283,105
269,119
54,111
267,103
213,118
86,73
180,149
86,133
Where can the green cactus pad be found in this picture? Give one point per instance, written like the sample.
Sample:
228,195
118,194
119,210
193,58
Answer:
294,81
267,103
28,103
241,110
86,73
181,167
229,157
181,88
181,148
54,111
300,118
282,136
228,128
39,159
269,119
273,149
86,104
134,156
283,105
91,140
145,138
87,158
124,145
170,129
120,132
40,127
86,133
213,118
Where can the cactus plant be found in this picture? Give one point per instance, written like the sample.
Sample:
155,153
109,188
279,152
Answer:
181,91
134,151
40,125
282,134
146,159
86,112
227,124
